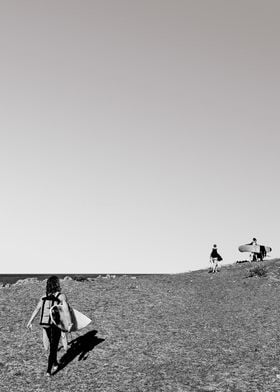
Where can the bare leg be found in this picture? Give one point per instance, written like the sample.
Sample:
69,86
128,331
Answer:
46,341
64,340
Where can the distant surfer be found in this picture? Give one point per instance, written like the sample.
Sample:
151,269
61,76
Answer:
51,333
215,259
253,255
259,254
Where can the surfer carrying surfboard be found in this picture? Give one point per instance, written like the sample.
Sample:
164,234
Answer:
50,331
252,255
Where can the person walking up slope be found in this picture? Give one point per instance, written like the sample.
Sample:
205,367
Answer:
253,255
215,258
51,333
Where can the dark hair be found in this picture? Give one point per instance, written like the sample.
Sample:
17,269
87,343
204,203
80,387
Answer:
53,285
254,239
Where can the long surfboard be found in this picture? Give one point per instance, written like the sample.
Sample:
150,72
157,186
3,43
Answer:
60,317
254,248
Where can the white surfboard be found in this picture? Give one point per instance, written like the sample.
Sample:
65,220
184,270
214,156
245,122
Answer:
60,317
253,248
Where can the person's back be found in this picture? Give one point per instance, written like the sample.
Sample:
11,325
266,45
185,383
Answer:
214,253
47,303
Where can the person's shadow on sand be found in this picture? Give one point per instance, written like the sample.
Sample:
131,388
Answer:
81,346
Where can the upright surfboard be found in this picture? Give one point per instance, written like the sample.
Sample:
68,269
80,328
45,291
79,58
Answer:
60,317
254,248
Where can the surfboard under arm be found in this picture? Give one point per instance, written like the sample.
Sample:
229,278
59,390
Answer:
253,248
60,317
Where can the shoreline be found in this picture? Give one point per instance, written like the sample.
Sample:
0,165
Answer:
13,278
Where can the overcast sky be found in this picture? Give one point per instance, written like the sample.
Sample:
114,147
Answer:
135,134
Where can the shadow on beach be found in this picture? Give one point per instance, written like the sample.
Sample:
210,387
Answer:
79,347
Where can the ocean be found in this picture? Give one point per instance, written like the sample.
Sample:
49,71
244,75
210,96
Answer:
13,278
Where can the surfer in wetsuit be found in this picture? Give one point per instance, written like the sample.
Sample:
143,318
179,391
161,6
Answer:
215,258
50,331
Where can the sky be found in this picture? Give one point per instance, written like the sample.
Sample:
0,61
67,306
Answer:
136,134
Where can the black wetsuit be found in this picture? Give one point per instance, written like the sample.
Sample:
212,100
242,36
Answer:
54,334
216,255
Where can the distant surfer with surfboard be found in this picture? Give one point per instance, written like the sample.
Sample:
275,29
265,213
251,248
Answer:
256,251
252,255
51,332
